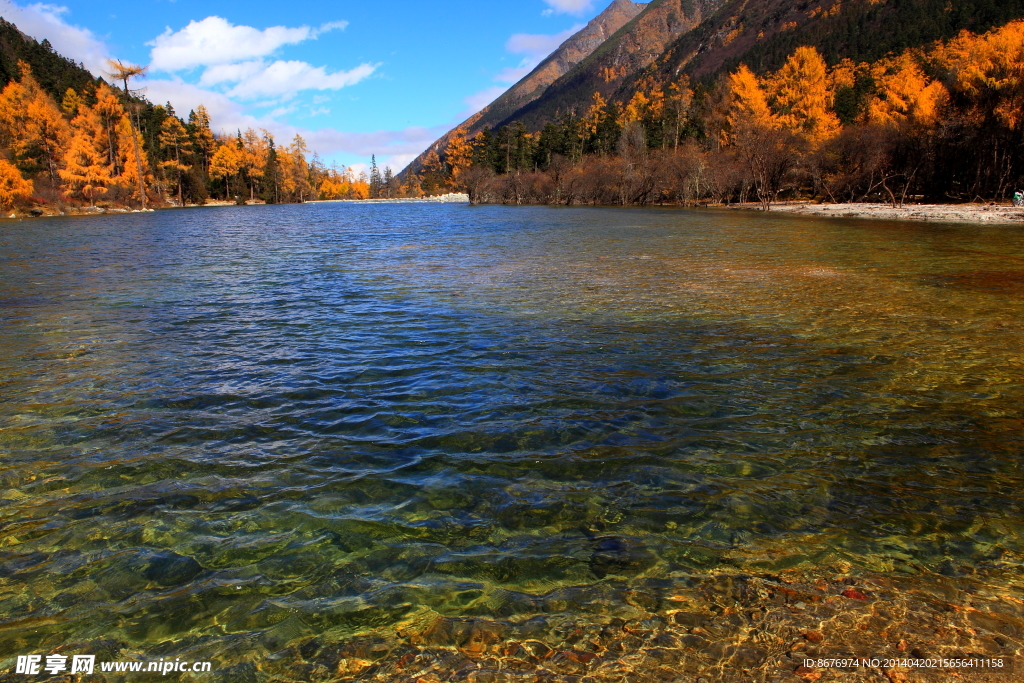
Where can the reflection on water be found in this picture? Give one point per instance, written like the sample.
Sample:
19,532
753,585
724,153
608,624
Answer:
403,442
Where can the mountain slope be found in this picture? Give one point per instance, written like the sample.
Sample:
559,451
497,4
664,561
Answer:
55,73
763,33
570,53
636,46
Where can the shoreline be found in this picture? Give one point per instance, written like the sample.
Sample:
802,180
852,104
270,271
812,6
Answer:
938,213
450,198
50,212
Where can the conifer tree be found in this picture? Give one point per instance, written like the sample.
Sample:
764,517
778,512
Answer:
271,174
202,136
458,155
226,163
125,72
87,164
803,98
375,179
173,139
297,171
32,126
13,188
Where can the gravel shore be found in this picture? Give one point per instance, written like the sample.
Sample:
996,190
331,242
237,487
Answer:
946,213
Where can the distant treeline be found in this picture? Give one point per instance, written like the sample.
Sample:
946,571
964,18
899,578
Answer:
69,139
942,123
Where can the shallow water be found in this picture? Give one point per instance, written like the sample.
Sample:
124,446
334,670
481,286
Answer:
263,435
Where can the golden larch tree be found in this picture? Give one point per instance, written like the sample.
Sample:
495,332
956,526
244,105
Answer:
904,94
802,96
749,103
13,188
989,70
226,163
87,165
173,140
459,155
31,124
296,171
202,135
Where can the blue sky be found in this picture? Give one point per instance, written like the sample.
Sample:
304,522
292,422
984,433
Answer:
354,79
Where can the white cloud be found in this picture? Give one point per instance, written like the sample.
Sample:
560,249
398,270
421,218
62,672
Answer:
568,6
231,73
281,78
479,100
538,46
215,41
281,111
513,74
400,161
535,47
42,21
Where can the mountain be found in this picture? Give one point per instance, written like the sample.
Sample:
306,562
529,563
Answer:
570,53
55,73
703,39
631,50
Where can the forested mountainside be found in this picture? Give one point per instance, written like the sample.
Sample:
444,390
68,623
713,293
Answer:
55,73
763,33
847,100
641,34
703,39
70,142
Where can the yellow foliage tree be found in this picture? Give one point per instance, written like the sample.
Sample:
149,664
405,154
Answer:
594,115
226,163
904,94
71,102
255,152
459,155
636,109
989,69
130,157
13,188
803,98
31,124
749,105
87,164
173,139
296,169
202,133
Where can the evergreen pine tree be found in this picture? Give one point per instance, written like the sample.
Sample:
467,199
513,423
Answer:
375,179
271,175
388,181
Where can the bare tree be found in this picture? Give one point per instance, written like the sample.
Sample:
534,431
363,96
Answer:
124,72
770,155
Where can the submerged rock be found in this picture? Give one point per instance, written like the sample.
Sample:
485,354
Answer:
168,568
615,555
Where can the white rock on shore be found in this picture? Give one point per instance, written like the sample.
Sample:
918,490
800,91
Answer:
451,198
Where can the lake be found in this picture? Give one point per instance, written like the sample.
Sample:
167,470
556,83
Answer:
442,442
